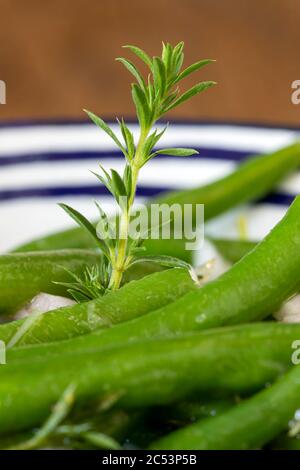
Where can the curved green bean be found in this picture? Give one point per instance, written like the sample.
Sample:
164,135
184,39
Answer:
23,275
130,301
251,290
249,425
233,250
252,179
235,359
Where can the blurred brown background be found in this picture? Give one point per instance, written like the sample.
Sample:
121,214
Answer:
57,56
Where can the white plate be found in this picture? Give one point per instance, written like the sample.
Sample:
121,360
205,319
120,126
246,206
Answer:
42,164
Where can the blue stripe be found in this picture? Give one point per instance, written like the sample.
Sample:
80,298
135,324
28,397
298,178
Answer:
11,124
97,190
204,152
61,191
279,199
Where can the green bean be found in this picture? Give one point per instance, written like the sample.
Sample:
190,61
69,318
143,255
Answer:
233,250
234,360
133,299
252,179
23,275
251,290
249,425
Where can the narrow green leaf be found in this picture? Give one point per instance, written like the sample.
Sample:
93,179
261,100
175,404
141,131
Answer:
127,177
159,76
102,213
100,123
156,106
74,287
71,274
82,221
167,56
118,183
141,54
160,134
152,141
103,227
178,63
128,138
178,49
177,58
90,286
141,105
170,98
150,92
79,218
133,70
105,182
149,144
189,94
176,152
78,296
192,68
105,173
168,261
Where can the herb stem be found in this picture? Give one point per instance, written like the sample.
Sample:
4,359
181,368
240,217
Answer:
152,99
119,267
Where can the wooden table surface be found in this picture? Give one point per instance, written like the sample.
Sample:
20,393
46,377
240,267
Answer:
57,56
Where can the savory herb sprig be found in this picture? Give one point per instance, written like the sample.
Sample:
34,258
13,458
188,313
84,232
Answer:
153,97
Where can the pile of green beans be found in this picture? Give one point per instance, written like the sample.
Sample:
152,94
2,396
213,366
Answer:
161,340
23,275
250,291
116,307
249,425
152,373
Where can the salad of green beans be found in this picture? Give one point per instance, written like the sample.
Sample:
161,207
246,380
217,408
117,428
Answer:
160,341
126,343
